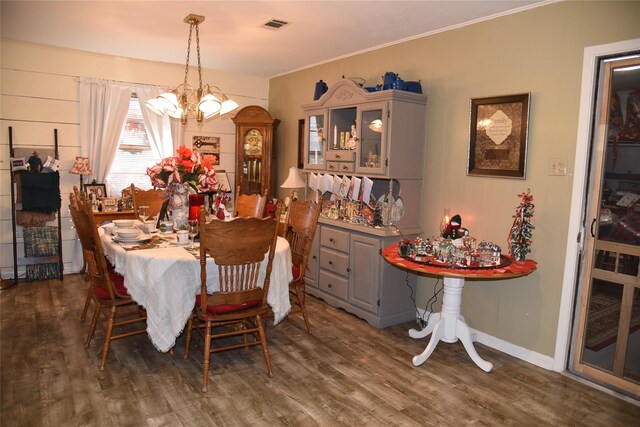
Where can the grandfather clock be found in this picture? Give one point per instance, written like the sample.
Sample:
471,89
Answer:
255,150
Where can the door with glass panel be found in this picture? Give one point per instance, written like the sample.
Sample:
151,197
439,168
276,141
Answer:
606,345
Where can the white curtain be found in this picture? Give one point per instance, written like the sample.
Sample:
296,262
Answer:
103,110
159,128
177,133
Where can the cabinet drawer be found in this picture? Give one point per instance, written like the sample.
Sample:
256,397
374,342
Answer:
342,167
334,239
333,284
336,262
341,155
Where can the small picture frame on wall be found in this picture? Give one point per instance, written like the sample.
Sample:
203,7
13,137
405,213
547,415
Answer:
498,136
208,145
95,191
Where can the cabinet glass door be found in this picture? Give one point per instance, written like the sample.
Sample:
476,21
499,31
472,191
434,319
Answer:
315,141
371,155
342,122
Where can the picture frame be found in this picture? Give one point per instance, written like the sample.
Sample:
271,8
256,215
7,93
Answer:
223,181
208,145
498,136
95,190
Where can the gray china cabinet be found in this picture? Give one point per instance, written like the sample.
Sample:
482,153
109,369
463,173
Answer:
380,135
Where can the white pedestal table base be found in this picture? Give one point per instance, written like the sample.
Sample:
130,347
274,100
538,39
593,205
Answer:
449,326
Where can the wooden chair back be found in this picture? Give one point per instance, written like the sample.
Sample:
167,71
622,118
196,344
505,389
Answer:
92,250
152,198
80,220
300,230
250,205
238,247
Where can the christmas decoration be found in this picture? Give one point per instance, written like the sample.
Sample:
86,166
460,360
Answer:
520,236
453,229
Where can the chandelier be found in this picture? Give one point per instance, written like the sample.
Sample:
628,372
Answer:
184,101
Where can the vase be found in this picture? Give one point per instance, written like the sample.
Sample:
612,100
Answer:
179,205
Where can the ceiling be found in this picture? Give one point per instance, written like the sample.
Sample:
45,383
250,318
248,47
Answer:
232,37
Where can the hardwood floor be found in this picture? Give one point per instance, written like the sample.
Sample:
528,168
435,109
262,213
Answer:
345,374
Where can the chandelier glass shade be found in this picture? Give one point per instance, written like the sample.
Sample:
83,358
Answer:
185,101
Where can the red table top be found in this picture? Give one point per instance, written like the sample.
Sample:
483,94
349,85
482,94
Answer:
515,269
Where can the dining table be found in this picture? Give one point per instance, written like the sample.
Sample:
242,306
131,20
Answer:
163,276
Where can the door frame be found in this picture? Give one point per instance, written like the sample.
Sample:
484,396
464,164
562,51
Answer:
576,229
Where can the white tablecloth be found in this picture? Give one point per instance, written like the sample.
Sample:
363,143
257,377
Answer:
166,280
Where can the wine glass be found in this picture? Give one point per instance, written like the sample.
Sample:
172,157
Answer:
143,212
193,227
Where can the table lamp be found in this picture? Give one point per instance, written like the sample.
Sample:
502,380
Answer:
293,181
81,167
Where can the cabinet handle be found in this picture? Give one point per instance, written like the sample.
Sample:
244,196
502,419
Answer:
348,270
337,156
315,257
344,168
330,166
331,239
330,285
330,262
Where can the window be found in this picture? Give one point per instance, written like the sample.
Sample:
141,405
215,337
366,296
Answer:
134,154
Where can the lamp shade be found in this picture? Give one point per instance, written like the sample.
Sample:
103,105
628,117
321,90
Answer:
228,106
294,180
81,166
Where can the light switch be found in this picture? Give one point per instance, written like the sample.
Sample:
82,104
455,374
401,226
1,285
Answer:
558,166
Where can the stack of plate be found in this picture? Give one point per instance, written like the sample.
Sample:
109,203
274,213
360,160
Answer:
130,235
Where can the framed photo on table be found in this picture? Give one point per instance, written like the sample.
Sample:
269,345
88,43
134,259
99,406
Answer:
95,191
498,136
208,145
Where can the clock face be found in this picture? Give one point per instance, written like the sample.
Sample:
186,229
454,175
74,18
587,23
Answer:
253,142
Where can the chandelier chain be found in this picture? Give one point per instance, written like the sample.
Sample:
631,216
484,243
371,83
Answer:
186,69
198,49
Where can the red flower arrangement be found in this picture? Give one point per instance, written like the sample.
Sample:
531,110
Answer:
187,167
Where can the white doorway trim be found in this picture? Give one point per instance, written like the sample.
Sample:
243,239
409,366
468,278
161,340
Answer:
592,56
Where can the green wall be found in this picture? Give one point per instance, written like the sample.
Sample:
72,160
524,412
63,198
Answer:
538,51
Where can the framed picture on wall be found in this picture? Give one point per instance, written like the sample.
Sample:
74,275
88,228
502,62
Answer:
208,145
95,190
498,136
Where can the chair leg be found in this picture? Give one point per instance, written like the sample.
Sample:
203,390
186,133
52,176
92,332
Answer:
263,344
86,303
107,337
188,337
207,357
92,327
303,307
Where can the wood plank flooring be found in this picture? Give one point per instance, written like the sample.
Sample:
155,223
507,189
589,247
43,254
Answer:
345,374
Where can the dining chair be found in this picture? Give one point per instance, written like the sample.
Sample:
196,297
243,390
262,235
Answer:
110,295
152,198
250,205
238,248
76,200
300,229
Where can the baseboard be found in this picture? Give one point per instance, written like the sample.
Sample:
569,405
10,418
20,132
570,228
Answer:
538,359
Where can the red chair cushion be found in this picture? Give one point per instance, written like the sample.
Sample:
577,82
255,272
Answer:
118,282
227,308
295,270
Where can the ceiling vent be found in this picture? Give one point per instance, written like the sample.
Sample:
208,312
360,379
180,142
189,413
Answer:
274,24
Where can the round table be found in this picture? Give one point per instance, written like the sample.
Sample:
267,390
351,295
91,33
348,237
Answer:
449,324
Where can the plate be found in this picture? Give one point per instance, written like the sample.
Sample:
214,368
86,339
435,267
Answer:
142,237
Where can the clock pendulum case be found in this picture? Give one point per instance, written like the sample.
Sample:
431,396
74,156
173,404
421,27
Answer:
255,151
